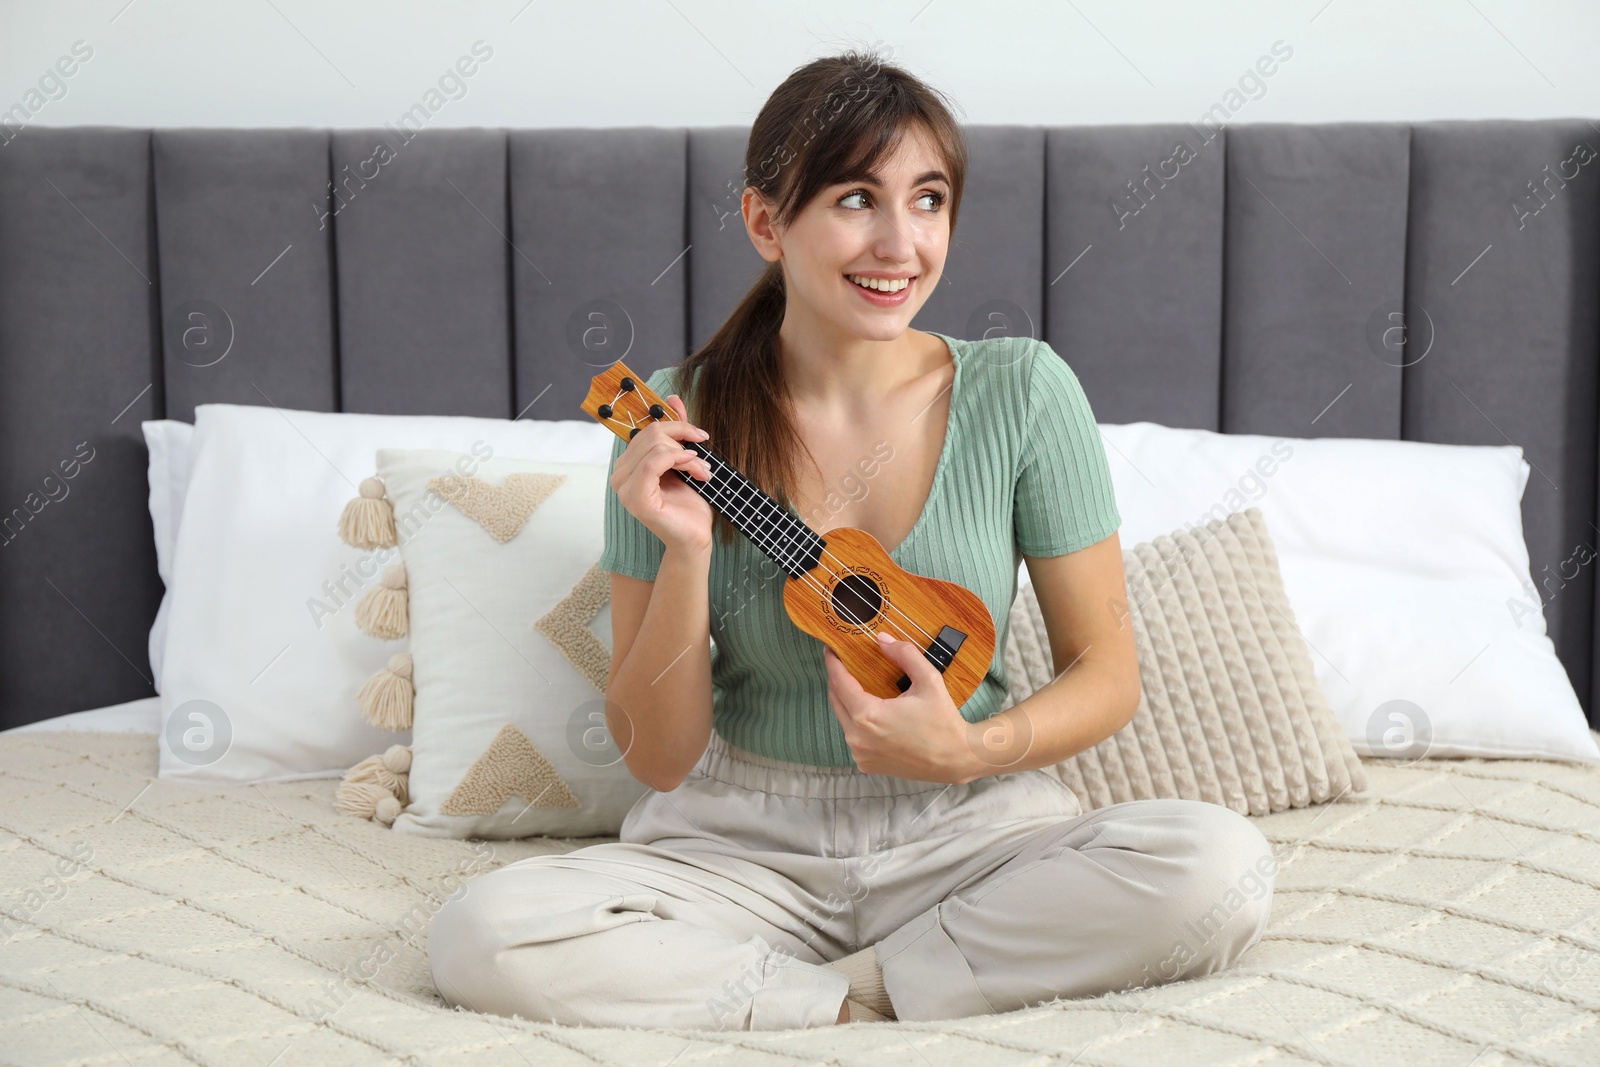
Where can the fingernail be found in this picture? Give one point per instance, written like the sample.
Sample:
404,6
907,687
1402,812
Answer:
884,637
701,434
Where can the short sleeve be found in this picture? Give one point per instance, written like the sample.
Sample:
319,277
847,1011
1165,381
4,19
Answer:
630,546
1063,499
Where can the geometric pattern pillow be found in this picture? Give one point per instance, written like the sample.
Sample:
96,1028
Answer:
1231,710
509,623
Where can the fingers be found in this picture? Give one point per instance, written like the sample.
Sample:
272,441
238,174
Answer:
680,428
662,442
840,677
659,456
689,461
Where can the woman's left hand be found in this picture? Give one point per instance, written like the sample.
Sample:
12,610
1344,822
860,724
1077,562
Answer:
919,734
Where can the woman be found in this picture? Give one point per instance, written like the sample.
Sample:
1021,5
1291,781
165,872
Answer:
903,858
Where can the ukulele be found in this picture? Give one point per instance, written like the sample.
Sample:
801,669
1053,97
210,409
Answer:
842,588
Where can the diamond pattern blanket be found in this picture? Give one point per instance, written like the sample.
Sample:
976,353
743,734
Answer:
1450,914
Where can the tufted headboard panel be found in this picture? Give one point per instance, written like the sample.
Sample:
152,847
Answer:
1237,280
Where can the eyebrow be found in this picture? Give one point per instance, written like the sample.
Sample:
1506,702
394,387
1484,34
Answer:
872,177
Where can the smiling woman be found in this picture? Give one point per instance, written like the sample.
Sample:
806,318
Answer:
737,896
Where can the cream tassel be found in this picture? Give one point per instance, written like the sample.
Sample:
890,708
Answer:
378,787
368,520
385,699
383,610
387,811
360,798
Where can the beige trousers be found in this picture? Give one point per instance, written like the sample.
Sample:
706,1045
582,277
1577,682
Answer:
723,898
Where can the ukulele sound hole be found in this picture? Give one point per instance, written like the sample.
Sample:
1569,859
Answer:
857,600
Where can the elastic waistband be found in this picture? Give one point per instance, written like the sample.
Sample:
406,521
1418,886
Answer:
729,763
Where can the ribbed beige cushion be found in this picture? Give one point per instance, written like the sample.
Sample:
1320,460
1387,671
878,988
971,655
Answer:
1231,711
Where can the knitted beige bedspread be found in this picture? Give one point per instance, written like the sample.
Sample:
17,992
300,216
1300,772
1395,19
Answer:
1448,915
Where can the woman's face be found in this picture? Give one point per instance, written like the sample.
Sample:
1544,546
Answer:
890,225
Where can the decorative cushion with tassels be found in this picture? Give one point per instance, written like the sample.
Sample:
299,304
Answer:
508,620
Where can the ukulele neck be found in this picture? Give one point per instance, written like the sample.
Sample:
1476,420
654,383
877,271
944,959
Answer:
624,406
775,530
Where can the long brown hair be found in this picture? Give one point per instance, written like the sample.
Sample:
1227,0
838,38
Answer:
834,116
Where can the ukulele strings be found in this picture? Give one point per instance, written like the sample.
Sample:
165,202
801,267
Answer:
791,521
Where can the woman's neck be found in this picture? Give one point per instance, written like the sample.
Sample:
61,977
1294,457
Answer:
855,373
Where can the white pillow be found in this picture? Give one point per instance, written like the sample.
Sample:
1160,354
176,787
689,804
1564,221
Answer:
168,443
262,664
1407,570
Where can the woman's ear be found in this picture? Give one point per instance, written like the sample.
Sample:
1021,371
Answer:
764,233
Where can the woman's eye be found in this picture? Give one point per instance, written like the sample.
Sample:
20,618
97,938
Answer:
853,193
937,198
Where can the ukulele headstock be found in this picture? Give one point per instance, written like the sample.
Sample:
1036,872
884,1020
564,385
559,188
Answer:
619,400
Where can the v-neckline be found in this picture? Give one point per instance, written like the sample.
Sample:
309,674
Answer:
945,449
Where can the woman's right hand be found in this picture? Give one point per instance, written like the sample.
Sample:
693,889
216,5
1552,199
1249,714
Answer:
646,481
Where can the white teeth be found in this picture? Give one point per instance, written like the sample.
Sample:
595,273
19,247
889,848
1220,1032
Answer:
883,285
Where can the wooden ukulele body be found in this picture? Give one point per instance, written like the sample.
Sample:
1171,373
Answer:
857,580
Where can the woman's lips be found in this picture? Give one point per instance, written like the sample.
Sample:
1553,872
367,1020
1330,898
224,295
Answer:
879,299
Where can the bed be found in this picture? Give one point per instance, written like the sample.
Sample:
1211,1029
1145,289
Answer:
1449,914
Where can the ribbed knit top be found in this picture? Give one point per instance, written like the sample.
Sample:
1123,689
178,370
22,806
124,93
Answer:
1022,472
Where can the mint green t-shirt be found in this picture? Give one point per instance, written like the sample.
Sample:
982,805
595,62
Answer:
1022,472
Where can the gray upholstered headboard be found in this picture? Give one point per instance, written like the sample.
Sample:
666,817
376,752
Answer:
1234,284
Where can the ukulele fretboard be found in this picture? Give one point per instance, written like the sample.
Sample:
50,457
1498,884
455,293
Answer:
778,532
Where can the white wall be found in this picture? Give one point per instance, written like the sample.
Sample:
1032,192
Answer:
346,63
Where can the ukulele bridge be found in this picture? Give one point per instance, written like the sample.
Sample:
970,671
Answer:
940,653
